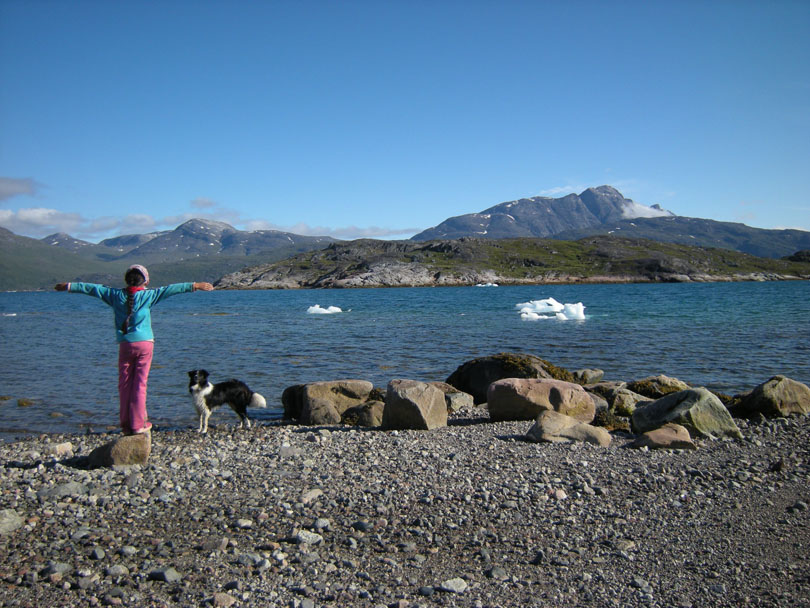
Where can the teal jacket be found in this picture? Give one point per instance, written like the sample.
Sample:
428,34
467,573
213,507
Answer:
140,323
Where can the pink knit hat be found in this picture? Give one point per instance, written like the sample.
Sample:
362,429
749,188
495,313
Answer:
142,270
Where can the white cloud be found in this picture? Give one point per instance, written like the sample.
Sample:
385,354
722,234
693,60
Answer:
11,186
347,232
633,210
40,222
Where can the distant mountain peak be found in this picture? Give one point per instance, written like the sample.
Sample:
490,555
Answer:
204,224
62,239
606,190
542,216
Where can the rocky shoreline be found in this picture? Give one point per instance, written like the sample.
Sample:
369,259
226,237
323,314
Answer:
404,275
470,514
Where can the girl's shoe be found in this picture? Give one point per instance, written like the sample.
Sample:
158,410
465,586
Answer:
146,429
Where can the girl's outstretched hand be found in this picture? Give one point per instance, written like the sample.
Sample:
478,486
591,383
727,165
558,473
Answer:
203,287
61,287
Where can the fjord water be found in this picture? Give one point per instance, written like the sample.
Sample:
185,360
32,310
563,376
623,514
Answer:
58,359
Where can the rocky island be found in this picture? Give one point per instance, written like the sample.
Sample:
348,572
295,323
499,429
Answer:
523,261
487,505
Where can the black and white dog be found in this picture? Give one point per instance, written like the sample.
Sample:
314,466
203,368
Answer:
207,396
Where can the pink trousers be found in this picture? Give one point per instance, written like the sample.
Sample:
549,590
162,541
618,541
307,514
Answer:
134,361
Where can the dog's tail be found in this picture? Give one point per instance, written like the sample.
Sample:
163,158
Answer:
257,401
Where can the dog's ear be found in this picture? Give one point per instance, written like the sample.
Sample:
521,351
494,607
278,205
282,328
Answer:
191,373
204,373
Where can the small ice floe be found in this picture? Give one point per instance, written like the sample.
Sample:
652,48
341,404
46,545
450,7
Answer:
486,285
535,310
318,310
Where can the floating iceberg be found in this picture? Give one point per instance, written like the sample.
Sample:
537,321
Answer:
535,310
317,310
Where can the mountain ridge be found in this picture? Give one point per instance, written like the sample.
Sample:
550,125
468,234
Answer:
198,249
202,249
604,210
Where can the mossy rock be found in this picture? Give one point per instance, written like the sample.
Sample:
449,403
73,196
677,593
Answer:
656,387
610,421
730,401
377,394
367,414
558,373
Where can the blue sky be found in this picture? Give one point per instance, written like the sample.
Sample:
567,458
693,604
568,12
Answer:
382,118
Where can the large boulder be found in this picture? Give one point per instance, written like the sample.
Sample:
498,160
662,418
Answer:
779,396
414,405
656,387
323,403
126,450
554,427
623,401
474,377
525,399
455,399
697,409
671,436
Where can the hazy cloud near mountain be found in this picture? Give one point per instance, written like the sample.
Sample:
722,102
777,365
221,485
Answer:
347,232
38,222
634,210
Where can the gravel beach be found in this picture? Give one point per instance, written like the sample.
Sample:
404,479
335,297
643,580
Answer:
467,515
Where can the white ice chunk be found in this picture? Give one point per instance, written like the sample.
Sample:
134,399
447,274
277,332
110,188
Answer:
575,311
534,310
528,315
318,310
541,306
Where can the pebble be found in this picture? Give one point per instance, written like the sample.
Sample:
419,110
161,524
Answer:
454,585
166,575
223,600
